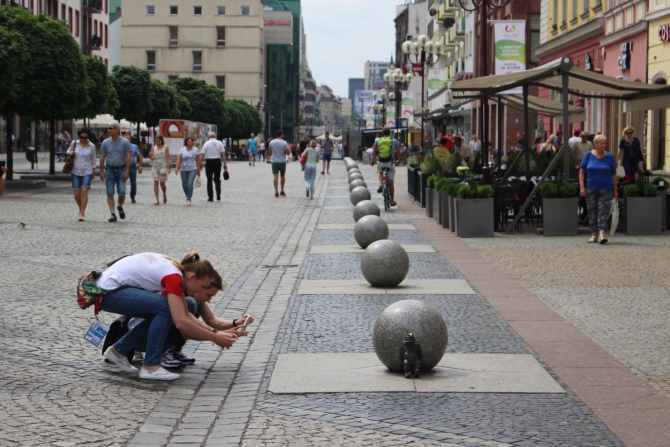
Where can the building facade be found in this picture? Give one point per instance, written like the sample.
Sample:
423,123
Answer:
658,121
374,74
329,110
220,44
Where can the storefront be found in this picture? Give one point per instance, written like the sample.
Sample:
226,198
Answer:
658,121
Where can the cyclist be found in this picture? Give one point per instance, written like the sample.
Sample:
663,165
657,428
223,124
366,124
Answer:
388,150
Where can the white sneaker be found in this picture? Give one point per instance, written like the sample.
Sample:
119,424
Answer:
159,374
122,362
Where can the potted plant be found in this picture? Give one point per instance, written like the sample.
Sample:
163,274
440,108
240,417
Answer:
643,208
430,192
474,210
429,166
449,195
560,208
662,185
437,199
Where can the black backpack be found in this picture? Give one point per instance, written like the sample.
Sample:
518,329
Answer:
117,329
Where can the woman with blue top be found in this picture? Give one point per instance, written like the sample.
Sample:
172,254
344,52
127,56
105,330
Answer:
600,187
312,159
189,164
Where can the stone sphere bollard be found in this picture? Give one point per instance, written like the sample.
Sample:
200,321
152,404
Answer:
384,263
357,182
359,193
417,317
354,170
370,229
366,208
355,176
352,165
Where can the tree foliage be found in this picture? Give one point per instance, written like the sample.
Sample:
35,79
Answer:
103,99
166,102
133,89
52,80
12,56
249,119
205,99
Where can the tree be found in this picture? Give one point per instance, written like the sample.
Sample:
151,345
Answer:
166,102
103,99
205,99
133,89
12,55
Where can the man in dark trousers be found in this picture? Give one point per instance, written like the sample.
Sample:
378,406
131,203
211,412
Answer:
214,153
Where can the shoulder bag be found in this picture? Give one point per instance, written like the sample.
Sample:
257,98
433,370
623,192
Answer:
69,162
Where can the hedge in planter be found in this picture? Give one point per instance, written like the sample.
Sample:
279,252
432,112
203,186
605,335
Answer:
450,193
437,199
560,208
644,209
662,185
430,192
429,166
474,211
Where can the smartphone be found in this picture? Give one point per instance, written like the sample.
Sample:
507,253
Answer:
246,323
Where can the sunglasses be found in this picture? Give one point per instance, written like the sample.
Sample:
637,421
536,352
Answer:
111,128
83,138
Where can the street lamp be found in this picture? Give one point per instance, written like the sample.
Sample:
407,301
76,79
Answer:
420,53
396,81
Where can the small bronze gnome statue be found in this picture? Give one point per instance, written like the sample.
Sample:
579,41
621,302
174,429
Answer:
411,356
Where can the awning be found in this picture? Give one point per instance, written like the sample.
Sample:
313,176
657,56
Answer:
546,106
104,120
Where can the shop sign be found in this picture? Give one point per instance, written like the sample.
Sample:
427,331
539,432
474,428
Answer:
664,33
623,62
277,22
588,62
417,69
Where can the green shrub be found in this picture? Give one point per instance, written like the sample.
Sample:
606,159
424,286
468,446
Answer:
569,190
431,165
412,160
631,191
450,189
465,192
486,191
548,190
439,184
430,183
650,190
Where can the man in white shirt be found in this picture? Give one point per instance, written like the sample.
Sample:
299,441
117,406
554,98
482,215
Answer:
475,144
214,153
575,139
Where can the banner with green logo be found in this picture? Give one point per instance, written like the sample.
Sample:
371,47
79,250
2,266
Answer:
390,118
407,104
436,81
510,48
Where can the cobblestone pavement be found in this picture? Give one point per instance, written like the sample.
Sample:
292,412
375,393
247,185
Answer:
54,388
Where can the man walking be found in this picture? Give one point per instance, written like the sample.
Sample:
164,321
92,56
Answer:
278,150
575,139
115,167
252,150
215,153
135,155
326,153
387,149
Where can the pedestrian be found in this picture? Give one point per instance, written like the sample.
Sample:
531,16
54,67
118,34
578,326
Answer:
59,145
252,150
549,143
67,139
160,166
475,144
521,142
630,152
539,144
83,169
582,147
558,141
327,152
278,151
261,151
214,153
135,166
303,147
152,286
386,147
575,138
189,164
115,168
359,150
294,150
598,183
312,156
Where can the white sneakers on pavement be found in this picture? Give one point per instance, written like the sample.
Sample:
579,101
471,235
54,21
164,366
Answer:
121,362
159,374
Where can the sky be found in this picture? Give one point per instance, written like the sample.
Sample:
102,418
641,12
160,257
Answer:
343,34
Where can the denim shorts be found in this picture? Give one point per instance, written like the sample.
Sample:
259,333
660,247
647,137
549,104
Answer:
114,176
81,181
326,157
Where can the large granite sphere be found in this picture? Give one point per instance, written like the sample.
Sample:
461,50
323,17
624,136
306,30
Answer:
366,208
354,170
359,193
355,183
370,229
352,165
417,317
384,263
355,176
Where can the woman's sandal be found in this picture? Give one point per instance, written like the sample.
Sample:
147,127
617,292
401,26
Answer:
592,240
603,240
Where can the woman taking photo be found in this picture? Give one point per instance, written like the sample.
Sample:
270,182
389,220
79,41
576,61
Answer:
83,169
630,152
152,286
312,159
189,164
160,166
600,187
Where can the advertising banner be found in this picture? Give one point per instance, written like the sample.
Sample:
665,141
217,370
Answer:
390,118
407,104
436,81
362,98
510,48
370,122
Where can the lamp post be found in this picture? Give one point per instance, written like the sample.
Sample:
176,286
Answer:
420,53
397,81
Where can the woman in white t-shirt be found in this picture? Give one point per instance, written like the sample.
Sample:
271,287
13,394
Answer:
189,163
152,286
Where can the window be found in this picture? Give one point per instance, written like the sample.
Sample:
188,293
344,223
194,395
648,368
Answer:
151,10
639,14
174,10
69,18
221,10
197,61
555,12
76,23
245,10
197,10
62,11
220,36
174,36
106,36
619,21
609,26
629,16
172,78
221,83
151,60
586,6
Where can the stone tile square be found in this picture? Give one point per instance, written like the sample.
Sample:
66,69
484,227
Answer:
462,373
328,249
351,226
407,287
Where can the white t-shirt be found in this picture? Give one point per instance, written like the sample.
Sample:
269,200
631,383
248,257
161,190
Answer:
213,148
143,271
574,140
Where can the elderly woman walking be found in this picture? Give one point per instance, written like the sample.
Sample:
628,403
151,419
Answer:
630,152
600,187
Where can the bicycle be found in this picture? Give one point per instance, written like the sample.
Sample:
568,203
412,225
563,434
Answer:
386,189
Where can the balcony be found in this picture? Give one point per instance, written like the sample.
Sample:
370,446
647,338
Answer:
447,8
92,6
94,43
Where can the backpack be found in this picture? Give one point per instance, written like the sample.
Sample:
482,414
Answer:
88,291
117,329
385,146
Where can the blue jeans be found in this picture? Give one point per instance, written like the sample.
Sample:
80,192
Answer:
187,180
310,176
114,177
153,332
180,341
133,181
81,181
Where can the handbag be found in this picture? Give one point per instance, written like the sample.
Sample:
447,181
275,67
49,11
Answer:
69,161
198,182
303,159
162,171
226,176
620,171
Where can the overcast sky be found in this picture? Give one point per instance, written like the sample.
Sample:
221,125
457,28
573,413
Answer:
343,34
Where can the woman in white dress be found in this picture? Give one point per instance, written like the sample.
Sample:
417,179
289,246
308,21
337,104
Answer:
160,166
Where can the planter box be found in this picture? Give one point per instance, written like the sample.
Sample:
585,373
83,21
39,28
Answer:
664,203
452,214
444,200
422,184
560,217
415,184
437,207
643,215
474,218
429,202
410,180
